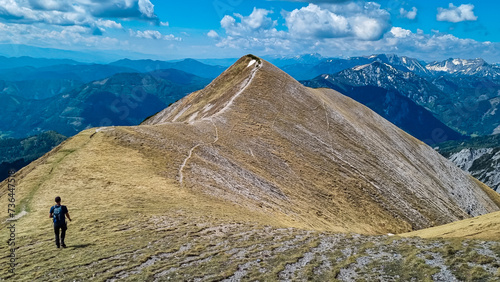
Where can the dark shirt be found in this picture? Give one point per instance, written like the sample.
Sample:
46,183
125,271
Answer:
64,211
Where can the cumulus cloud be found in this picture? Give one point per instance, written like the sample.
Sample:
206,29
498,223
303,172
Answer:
73,20
313,21
464,12
322,1
257,31
400,32
213,34
75,12
257,21
108,24
153,34
430,47
61,36
147,8
411,15
366,22
124,9
334,30
362,21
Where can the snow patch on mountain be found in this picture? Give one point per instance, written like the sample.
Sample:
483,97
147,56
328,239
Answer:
461,67
360,67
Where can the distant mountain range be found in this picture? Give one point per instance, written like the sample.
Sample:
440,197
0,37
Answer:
122,99
460,67
16,62
310,66
467,104
434,101
462,94
18,153
187,65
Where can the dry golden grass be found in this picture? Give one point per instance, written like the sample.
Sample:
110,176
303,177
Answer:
112,193
312,160
485,227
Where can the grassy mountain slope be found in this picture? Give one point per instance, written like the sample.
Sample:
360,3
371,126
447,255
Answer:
396,108
206,195
327,134
485,227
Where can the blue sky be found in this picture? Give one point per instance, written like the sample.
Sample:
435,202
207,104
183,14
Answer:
429,30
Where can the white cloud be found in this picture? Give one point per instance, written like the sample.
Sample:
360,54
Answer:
307,27
411,15
257,21
400,32
313,21
146,8
171,37
60,36
75,12
256,31
75,21
213,34
108,24
456,14
153,34
366,22
148,34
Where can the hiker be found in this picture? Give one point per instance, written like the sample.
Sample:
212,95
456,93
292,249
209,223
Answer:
58,212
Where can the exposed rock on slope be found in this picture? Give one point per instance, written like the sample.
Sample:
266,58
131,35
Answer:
483,164
260,139
396,108
478,156
461,67
255,146
207,196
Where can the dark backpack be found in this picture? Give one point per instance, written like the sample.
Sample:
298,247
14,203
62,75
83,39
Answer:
58,216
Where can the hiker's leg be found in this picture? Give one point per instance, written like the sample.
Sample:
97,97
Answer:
63,233
56,231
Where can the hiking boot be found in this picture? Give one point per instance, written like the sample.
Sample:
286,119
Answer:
57,246
63,245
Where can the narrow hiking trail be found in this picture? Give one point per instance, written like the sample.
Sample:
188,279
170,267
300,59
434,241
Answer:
245,86
224,109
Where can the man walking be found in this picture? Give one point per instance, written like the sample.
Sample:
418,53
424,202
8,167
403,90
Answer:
57,213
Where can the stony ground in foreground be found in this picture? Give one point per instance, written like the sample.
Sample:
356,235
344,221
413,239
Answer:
177,250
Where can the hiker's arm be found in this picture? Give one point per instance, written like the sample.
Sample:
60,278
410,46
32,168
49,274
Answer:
67,215
51,215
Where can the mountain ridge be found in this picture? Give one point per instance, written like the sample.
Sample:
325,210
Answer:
197,109
254,161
